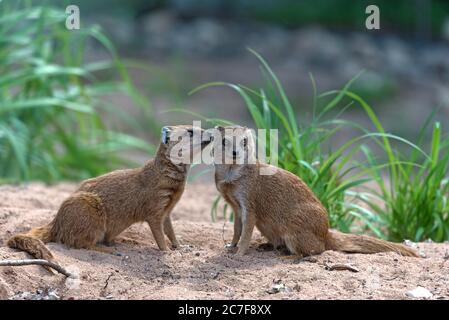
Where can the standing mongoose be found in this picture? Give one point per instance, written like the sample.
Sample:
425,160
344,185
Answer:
280,205
104,206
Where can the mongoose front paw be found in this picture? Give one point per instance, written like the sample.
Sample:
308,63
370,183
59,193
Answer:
240,252
232,248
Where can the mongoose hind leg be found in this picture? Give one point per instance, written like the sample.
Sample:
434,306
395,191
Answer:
80,221
102,249
304,244
110,246
109,243
123,239
286,254
267,246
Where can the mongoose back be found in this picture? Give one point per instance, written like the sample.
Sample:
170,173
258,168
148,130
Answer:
280,205
104,206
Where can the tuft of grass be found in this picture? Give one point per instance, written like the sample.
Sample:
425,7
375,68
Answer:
409,199
52,104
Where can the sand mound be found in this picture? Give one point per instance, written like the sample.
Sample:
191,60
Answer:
202,267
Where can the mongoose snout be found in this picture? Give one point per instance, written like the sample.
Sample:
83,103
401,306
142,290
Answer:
234,147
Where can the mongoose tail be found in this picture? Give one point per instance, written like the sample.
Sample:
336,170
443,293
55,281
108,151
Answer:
33,242
353,243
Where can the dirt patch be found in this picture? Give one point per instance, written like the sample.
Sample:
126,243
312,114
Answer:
202,267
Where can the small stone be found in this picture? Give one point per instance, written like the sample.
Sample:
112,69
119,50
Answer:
422,254
419,292
229,293
52,295
410,243
277,287
197,254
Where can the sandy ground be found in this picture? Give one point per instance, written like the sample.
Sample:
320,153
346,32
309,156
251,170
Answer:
202,268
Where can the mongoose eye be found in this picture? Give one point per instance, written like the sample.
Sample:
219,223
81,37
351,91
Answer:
190,132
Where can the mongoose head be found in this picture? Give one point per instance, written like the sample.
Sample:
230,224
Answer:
183,142
237,145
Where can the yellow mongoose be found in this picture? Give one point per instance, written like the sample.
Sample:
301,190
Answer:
281,205
104,206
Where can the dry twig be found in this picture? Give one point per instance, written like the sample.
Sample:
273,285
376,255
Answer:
107,281
341,266
40,262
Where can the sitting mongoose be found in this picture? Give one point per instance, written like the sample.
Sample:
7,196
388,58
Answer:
104,206
281,205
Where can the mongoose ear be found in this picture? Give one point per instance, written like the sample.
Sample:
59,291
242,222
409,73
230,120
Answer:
165,132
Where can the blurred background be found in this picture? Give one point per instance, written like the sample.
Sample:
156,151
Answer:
191,42
170,47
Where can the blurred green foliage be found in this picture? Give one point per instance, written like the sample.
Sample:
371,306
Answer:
407,16
399,15
52,103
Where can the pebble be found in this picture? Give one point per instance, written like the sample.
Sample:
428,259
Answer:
419,292
278,286
52,295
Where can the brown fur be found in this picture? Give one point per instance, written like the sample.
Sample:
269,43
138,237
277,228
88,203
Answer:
104,206
284,209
